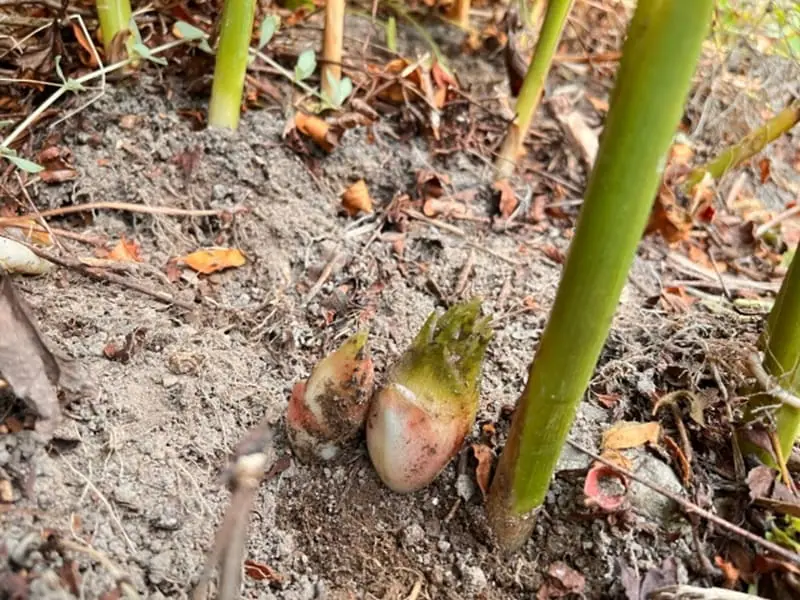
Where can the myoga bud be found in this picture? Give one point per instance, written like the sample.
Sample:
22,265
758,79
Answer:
418,421
330,407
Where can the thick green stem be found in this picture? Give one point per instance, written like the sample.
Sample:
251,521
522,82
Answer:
782,353
753,143
554,20
114,16
664,41
231,65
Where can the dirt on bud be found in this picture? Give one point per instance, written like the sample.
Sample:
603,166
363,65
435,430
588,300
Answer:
329,409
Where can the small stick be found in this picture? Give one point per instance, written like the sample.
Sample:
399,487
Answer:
463,277
456,231
768,384
247,470
94,273
690,507
761,230
332,48
128,207
121,578
327,271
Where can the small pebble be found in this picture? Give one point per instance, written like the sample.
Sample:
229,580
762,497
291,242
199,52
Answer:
413,534
474,579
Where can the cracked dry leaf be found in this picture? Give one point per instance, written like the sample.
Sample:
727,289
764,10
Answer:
626,434
26,364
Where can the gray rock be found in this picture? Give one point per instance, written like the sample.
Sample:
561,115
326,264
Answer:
474,579
646,500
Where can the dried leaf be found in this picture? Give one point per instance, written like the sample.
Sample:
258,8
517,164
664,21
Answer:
764,169
25,361
261,572
507,200
668,219
697,404
124,352
760,480
576,128
210,260
681,154
58,175
445,207
485,457
355,199
325,136
88,56
126,251
626,434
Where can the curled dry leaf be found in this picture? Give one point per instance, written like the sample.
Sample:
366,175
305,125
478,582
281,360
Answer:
483,472
26,364
507,200
211,260
261,572
626,434
356,199
319,130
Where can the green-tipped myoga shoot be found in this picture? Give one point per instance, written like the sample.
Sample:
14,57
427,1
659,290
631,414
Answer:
115,18
554,20
235,30
418,420
329,409
659,56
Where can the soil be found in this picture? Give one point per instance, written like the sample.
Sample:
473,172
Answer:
134,470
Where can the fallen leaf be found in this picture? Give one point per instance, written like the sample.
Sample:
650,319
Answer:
618,458
445,207
355,199
627,434
58,176
553,253
126,251
668,219
697,404
26,363
605,488
681,154
760,480
562,581
608,400
323,134
576,128
485,457
431,184
729,572
507,200
261,572
210,260
659,577
70,576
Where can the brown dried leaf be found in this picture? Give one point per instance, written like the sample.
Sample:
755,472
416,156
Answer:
626,434
507,200
261,572
562,581
58,176
325,136
485,457
356,199
126,251
26,363
210,260
668,219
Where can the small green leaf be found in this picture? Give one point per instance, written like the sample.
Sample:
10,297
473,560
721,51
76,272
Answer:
268,28
145,53
306,63
190,32
391,34
24,164
342,91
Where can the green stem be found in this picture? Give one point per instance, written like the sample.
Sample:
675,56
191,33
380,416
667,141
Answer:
114,17
753,143
659,56
782,354
554,20
231,65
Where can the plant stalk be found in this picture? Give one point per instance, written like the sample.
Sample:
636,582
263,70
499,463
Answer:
554,20
114,17
782,353
332,47
459,13
663,44
231,65
753,143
